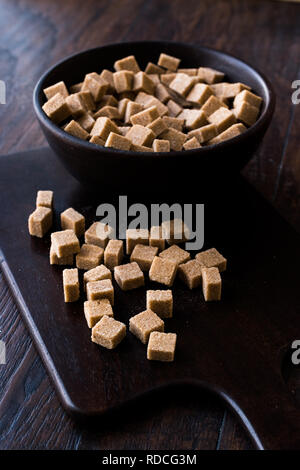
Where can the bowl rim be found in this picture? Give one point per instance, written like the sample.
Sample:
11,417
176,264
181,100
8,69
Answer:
264,117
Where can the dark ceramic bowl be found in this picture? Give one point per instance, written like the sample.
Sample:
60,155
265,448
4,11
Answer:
122,171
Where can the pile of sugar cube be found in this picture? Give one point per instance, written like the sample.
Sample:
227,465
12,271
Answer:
157,110
101,256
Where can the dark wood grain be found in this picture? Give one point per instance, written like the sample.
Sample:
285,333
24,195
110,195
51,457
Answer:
36,35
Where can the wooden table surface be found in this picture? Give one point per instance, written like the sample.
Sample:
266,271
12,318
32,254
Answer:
34,36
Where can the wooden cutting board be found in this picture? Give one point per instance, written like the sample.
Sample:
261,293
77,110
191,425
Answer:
236,348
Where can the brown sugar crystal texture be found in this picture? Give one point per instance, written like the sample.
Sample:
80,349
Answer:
71,285
129,276
160,302
94,310
211,284
108,332
100,290
40,221
163,271
73,220
89,256
142,324
211,258
143,255
161,346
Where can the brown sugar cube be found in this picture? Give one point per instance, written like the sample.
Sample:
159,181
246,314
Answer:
71,285
123,130
143,98
211,284
96,274
210,75
86,121
129,276
99,234
44,199
211,259
136,236
248,97
97,140
163,271
127,63
246,113
140,148
160,302
190,273
76,87
95,85
87,100
108,77
153,69
64,261
94,310
173,108
142,324
122,106
76,130
118,142
103,289
73,220
160,145
161,108
156,237
76,105
140,135
199,93
59,87
108,100
168,62
162,93
108,332
204,133
143,255
161,346
174,122
113,254
211,105
175,231
141,82
107,111
182,84
193,118
191,144
65,243
176,138
89,256
228,90
132,108
167,78
155,78
123,81
143,118
103,127
222,119
40,221
190,71
231,132
175,254
157,126
56,108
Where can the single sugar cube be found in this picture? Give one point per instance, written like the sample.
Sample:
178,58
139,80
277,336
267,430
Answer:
71,285
40,221
74,128
231,132
222,119
89,256
210,75
136,236
132,108
96,274
160,302
107,111
86,121
127,63
113,254
52,90
176,138
94,310
205,133
175,231
108,332
248,97
211,284
190,273
56,108
211,258
163,271
140,135
87,100
161,145
99,234
129,276
161,108
182,84
108,77
145,117
191,144
143,255
246,113
118,142
157,127
199,93
174,122
173,108
64,261
156,237
211,105
153,68
76,105
142,324
161,346
193,118
44,199
176,254
141,82
123,81
65,243
100,290
73,220
168,62
95,85
103,127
